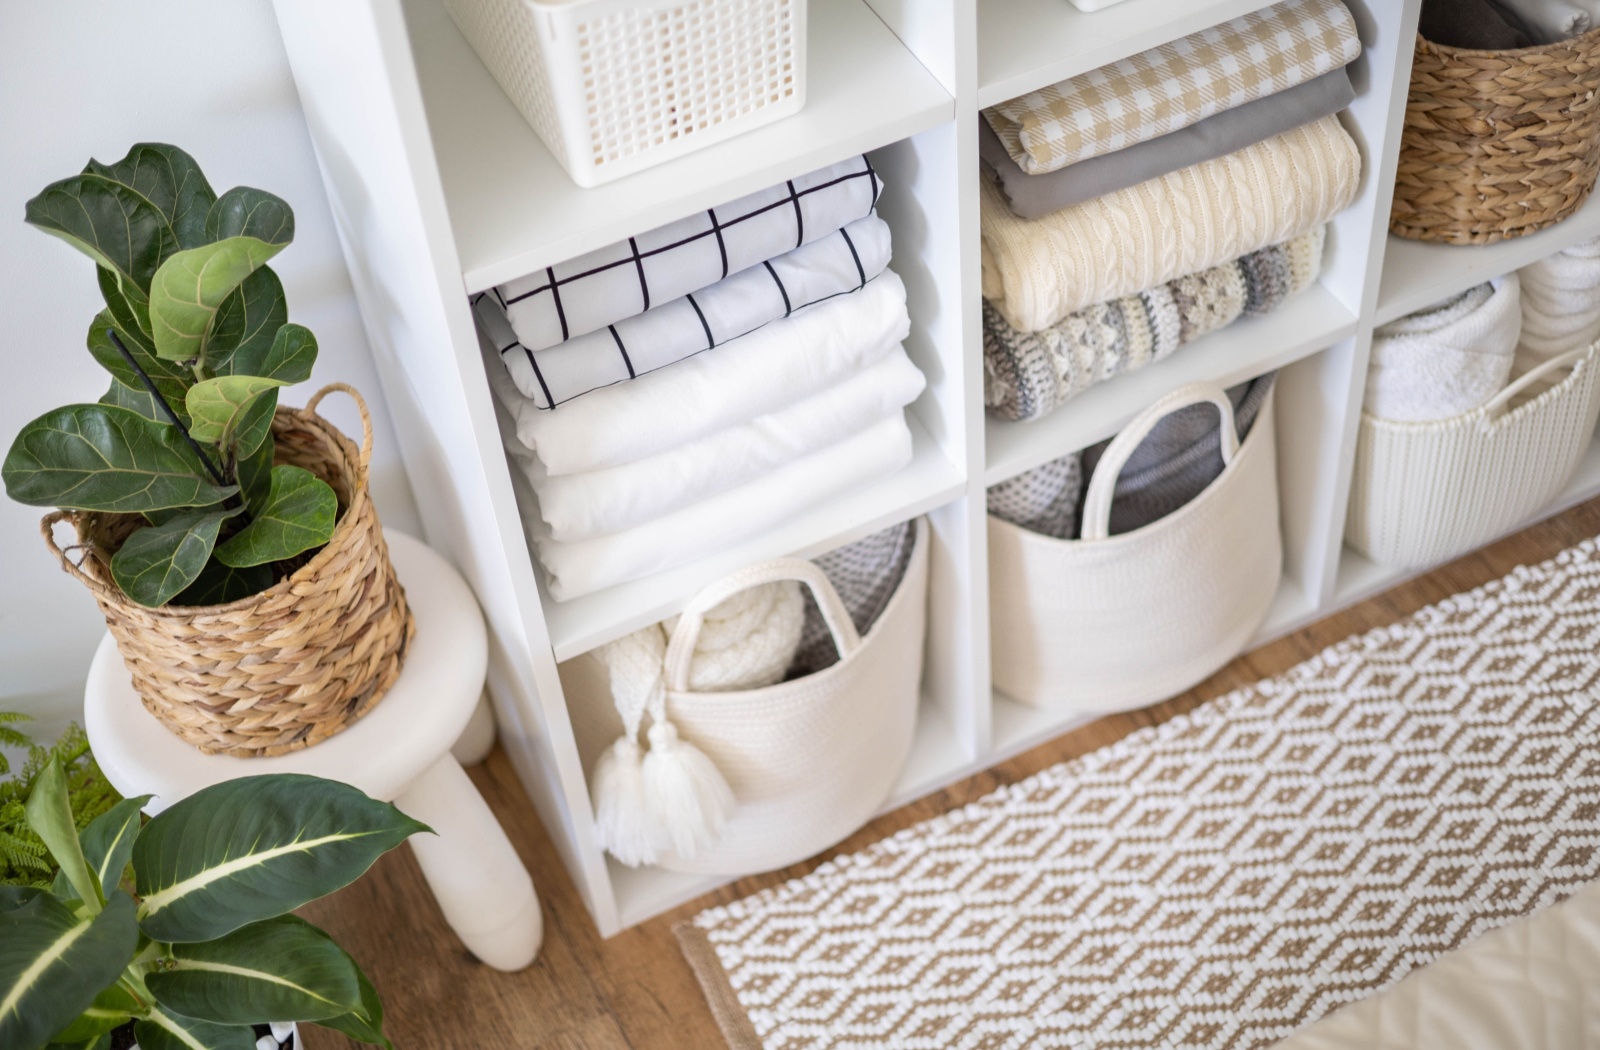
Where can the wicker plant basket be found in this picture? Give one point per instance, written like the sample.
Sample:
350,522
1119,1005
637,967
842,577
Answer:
1497,144
282,669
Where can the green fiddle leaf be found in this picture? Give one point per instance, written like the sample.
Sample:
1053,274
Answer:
256,848
112,1008
219,584
281,968
16,896
189,289
170,180
246,324
108,841
293,352
254,469
159,562
298,514
216,406
131,314
100,1042
247,212
49,813
255,426
365,1023
106,458
164,1030
53,963
111,223
172,380
140,401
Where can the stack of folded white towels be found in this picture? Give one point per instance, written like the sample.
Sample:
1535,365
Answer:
688,388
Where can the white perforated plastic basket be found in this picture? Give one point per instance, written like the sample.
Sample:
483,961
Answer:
615,86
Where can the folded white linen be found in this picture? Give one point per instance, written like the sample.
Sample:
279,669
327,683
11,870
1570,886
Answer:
732,384
1558,19
597,502
1448,358
584,566
603,286
1560,305
842,262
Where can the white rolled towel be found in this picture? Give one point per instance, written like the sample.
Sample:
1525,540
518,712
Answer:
1560,304
1558,19
1448,358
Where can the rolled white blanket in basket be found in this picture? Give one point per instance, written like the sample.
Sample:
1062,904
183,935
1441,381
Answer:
713,525
732,384
604,286
1175,85
597,502
1560,305
839,263
1037,271
1447,359
1558,19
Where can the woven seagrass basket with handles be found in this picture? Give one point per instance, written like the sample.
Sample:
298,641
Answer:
282,669
1497,144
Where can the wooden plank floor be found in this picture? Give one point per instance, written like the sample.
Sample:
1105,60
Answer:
635,990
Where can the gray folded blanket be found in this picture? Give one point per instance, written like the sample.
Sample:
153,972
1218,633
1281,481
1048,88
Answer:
1033,196
1175,462
866,574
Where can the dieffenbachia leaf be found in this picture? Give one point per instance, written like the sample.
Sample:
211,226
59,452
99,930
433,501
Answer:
112,1008
220,584
53,963
49,813
281,968
164,1030
159,562
247,322
298,514
247,212
256,848
216,406
16,896
365,1023
108,841
190,287
172,380
106,458
170,180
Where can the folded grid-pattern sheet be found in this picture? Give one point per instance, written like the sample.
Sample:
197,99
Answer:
836,264
1175,85
609,284
1035,196
1028,375
1036,272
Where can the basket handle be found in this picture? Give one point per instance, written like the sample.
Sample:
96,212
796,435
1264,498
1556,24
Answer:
680,647
47,528
361,406
1097,502
1496,405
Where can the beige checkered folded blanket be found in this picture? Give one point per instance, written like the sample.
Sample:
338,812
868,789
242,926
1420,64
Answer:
1175,85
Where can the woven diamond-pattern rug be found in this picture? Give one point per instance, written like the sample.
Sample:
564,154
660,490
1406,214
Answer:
1219,880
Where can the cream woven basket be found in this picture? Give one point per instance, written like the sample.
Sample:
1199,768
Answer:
809,760
1423,493
615,86
1106,623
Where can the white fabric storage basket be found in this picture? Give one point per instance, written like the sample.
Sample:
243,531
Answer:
615,86
809,760
1423,493
1106,623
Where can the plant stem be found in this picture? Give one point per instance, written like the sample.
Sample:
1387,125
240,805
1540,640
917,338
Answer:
150,385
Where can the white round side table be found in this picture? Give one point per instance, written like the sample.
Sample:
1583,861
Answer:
398,752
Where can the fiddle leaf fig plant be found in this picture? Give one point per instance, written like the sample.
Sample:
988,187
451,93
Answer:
181,927
197,340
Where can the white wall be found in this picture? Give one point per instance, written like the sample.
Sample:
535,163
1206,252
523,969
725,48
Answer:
90,78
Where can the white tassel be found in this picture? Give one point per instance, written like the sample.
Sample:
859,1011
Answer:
622,812
686,792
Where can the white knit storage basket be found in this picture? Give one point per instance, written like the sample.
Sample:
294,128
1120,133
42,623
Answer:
1423,493
809,760
1107,623
615,86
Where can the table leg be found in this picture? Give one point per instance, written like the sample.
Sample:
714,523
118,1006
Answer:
477,740
484,891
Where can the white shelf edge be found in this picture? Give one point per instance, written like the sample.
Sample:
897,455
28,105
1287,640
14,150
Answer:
1308,324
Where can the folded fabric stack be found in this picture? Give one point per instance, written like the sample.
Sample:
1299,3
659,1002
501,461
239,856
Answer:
1175,462
685,389
1560,304
1107,190
1492,25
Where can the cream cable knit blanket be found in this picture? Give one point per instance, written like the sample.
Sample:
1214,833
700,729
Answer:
1560,304
1447,359
1035,272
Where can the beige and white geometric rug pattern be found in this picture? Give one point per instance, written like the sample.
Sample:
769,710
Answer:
1221,879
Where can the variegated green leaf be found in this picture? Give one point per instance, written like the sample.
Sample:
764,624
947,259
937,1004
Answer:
281,968
256,848
365,1023
190,287
216,406
108,840
112,1008
53,963
159,562
49,813
164,1030
298,514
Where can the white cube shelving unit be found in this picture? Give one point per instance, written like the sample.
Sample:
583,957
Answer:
439,189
